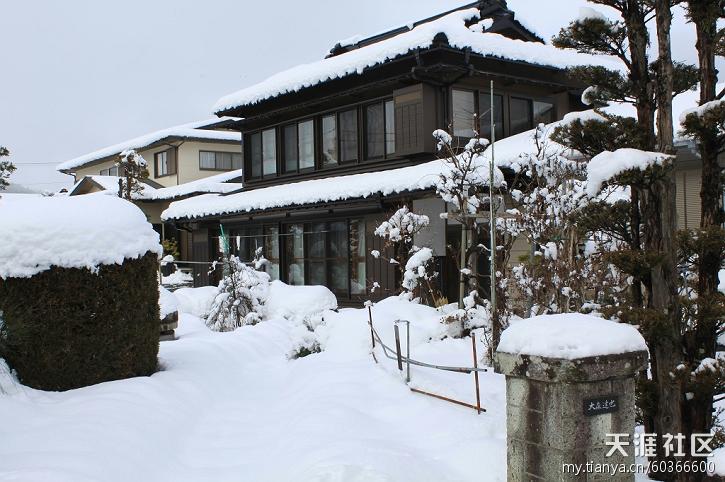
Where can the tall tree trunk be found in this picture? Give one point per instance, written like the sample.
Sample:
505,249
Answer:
660,239
697,413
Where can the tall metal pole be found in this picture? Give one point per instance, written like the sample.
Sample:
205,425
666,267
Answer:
464,247
492,218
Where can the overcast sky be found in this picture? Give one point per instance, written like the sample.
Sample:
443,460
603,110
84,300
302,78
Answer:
79,75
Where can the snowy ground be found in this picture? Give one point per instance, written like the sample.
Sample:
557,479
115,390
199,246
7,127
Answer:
232,407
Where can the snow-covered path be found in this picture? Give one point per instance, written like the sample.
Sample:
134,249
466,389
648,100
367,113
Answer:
231,407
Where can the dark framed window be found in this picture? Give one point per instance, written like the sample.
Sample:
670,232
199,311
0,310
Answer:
255,154
263,153
219,161
380,130
358,279
271,250
291,158
298,146
375,131
329,140
463,108
306,142
389,127
165,163
543,112
295,254
269,152
484,105
348,136
111,171
521,115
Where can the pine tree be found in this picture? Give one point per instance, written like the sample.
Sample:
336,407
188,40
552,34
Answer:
703,249
6,168
132,168
650,259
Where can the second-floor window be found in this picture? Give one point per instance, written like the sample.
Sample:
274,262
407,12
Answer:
299,146
219,161
263,153
512,113
165,163
380,129
111,171
339,138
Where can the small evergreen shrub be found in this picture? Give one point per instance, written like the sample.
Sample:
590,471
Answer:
67,328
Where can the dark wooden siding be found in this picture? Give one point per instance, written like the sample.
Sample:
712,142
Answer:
200,252
415,115
379,270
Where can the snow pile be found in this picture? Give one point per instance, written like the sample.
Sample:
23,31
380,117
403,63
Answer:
298,302
192,130
196,301
70,232
608,164
570,336
178,277
452,25
167,302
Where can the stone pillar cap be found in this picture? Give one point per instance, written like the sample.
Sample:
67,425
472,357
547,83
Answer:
570,347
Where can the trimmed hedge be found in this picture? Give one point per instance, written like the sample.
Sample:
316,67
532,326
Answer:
68,327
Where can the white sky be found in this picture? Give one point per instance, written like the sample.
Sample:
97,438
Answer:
79,75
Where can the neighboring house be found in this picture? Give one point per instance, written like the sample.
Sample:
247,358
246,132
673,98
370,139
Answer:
332,148
200,157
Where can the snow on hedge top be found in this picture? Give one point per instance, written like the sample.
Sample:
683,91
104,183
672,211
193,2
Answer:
452,25
570,336
192,130
70,232
608,164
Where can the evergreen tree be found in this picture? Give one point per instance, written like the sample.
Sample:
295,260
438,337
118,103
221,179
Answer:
702,250
6,168
651,237
132,168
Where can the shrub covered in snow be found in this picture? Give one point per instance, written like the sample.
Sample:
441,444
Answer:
78,290
66,328
240,297
413,262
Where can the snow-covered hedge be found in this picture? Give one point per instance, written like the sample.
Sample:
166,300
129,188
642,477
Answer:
66,328
79,299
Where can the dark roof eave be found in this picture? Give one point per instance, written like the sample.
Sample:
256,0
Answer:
249,111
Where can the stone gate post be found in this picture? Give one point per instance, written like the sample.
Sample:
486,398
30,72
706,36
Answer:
569,397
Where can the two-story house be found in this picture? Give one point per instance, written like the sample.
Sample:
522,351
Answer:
332,148
194,158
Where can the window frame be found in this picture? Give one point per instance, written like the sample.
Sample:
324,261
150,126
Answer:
232,168
364,131
168,172
506,112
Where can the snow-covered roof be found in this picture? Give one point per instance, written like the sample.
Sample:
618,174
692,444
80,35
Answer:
452,25
339,188
192,130
217,183
331,189
70,232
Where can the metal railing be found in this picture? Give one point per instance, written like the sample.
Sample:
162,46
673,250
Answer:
400,359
